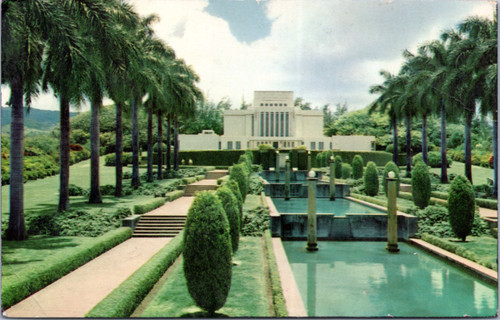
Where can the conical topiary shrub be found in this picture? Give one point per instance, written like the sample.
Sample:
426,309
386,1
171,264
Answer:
390,166
338,167
235,189
239,173
371,179
357,167
207,252
461,207
421,185
230,205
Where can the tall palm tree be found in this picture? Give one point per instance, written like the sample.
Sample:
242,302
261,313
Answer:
28,27
483,33
386,103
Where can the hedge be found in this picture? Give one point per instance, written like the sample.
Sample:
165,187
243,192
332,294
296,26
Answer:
172,195
211,157
279,304
457,249
487,203
461,207
379,157
122,301
56,267
110,159
188,180
370,179
148,206
379,202
421,185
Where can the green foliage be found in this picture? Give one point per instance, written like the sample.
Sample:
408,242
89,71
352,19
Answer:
234,187
75,190
207,252
323,158
29,282
279,304
230,205
211,157
338,167
390,166
487,203
371,179
255,222
346,171
357,167
75,222
110,159
434,159
172,195
421,185
461,206
246,161
152,204
122,301
240,174
255,184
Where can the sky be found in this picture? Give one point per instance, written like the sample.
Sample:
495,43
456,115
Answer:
326,51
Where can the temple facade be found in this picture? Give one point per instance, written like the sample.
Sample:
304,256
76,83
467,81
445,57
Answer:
273,119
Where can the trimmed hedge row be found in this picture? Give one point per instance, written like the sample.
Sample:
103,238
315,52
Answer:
211,157
56,267
408,196
279,305
379,157
379,202
148,206
456,249
122,301
173,195
487,203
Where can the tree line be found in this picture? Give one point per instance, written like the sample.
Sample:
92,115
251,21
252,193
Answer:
454,78
89,49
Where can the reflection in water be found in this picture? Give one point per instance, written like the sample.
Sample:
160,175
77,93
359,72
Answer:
360,279
323,205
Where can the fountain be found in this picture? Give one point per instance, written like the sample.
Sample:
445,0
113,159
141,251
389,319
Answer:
312,239
332,179
392,219
287,178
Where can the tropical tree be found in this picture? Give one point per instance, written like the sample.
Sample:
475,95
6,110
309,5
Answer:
28,28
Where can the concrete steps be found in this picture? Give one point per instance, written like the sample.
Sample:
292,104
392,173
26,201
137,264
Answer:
216,174
207,184
159,226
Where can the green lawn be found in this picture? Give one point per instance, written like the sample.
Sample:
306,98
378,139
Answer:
485,247
479,174
248,296
21,256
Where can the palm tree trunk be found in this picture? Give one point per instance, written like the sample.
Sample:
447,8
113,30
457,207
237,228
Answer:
135,146
95,192
118,151
467,146
150,146
176,144
495,153
16,229
160,153
408,145
168,155
64,154
444,158
424,139
395,143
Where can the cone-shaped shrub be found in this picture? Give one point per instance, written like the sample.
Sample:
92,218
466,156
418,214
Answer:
357,167
235,189
246,161
239,173
230,205
421,185
338,167
371,179
390,166
461,207
207,252
346,171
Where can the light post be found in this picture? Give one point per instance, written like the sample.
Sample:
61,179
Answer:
287,178
392,218
312,240
332,179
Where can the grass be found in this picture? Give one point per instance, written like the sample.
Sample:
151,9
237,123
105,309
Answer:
479,174
485,247
247,298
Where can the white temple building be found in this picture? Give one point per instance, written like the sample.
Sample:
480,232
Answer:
273,119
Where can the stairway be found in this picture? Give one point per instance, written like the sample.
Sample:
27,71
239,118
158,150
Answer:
159,226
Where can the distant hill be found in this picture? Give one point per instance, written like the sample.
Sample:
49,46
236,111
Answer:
35,119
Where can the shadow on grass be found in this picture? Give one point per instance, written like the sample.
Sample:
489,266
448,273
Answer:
38,243
203,314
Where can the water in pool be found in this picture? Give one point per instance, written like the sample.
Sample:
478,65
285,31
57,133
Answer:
361,279
339,207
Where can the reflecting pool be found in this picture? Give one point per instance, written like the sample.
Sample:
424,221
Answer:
339,207
360,279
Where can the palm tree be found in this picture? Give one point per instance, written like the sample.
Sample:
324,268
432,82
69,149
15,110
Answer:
483,33
386,103
28,27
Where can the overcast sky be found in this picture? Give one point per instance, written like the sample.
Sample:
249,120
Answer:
326,51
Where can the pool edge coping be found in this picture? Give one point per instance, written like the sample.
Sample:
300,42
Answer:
487,273
293,300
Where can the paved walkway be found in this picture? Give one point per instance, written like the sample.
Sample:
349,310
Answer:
178,207
488,213
75,294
